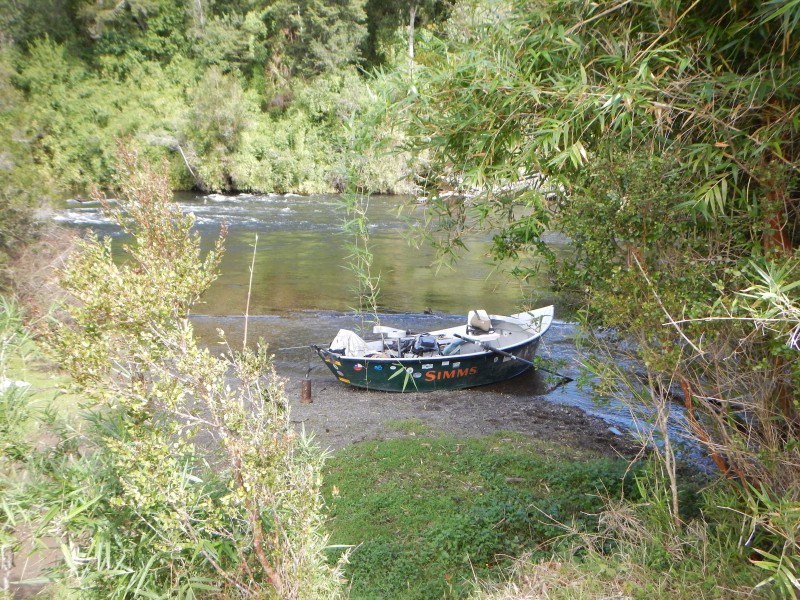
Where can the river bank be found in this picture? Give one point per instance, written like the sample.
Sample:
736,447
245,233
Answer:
340,415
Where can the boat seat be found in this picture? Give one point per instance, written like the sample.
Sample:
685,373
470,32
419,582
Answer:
478,323
390,332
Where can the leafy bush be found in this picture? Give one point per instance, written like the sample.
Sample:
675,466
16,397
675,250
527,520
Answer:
190,480
14,409
15,423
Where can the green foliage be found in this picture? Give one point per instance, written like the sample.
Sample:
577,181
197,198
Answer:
427,512
386,19
130,33
221,115
20,189
23,22
774,532
313,36
360,258
226,41
16,423
184,485
287,154
14,406
309,146
663,140
238,97
637,552
73,118
113,303
208,126
509,104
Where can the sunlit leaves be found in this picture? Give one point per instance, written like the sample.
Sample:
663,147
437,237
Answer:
778,516
772,299
711,199
192,478
612,73
787,12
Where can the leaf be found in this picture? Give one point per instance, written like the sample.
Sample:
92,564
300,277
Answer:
83,507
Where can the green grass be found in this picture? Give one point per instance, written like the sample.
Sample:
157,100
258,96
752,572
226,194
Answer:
48,394
429,514
411,426
37,399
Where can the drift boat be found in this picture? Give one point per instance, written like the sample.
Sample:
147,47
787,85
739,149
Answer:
487,349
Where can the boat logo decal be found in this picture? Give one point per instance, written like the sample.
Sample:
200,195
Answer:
425,367
417,375
358,367
450,374
455,364
409,370
393,367
379,367
445,363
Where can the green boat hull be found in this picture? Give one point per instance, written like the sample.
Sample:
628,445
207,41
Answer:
430,374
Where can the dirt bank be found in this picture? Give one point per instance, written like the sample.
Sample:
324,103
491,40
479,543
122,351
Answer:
340,415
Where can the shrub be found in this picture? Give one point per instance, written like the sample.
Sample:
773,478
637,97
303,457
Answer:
191,480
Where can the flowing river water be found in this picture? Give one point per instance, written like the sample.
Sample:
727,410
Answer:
302,289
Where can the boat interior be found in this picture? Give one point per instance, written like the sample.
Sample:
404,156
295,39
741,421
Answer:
480,329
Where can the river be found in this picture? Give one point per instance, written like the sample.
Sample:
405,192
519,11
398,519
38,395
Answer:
302,289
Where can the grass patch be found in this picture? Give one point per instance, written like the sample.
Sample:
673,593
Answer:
46,394
429,514
640,554
411,426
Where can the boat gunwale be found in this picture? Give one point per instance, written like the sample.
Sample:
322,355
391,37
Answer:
438,357
546,317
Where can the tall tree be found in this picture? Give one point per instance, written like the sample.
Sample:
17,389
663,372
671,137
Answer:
129,32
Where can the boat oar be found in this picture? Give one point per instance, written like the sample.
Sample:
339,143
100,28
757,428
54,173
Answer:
295,348
486,346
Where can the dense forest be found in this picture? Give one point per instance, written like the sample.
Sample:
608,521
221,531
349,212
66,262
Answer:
238,96
661,137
